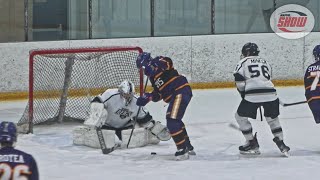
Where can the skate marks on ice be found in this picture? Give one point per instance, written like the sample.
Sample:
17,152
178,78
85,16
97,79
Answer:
304,153
166,153
61,142
206,148
263,155
227,152
293,153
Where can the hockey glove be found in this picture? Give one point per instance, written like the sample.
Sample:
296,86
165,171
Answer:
142,101
143,59
156,96
149,70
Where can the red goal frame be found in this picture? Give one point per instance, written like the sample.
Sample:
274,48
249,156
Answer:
34,53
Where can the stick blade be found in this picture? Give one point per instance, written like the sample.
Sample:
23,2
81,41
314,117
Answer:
234,126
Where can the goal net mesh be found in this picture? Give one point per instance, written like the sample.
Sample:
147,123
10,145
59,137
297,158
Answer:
62,82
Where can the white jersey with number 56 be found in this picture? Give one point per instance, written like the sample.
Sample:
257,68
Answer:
253,78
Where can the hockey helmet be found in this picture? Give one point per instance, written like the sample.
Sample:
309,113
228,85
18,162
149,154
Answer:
316,52
250,49
126,90
8,132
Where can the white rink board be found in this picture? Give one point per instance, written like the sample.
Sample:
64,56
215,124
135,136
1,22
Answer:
201,58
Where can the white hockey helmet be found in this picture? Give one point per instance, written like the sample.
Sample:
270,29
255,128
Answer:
126,90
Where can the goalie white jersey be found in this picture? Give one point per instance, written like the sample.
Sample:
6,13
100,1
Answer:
120,112
253,79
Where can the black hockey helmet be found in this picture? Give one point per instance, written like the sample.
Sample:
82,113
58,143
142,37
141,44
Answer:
316,52
8,132
250,49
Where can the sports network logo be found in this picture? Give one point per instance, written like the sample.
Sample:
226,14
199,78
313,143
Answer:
292,21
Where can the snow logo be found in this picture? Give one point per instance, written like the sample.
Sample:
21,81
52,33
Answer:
292,21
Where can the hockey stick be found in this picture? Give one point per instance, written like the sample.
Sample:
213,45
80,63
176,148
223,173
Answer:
291,104
135,122
102,143
234,126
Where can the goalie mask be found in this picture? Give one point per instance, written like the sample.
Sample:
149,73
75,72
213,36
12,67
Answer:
126,90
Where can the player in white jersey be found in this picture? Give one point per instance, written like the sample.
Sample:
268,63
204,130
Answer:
115,111
253,81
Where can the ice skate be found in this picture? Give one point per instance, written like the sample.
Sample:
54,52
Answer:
251,147
191,149
283,148
182,154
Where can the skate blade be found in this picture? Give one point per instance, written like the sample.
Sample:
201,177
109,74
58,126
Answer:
251,152
182,157
192,153
286,154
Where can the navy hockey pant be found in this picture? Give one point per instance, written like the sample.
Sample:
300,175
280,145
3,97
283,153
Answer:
175,113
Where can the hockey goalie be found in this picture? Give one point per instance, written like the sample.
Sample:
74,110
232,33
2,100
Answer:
114,112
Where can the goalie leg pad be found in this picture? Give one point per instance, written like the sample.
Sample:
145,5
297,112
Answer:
139,137
160,131
23,128
87,136
152,139
78,135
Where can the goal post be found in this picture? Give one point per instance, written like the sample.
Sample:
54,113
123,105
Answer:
62,82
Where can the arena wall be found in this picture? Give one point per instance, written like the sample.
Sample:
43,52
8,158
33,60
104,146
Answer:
207,61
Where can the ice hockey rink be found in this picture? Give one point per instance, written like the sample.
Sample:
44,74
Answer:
216,145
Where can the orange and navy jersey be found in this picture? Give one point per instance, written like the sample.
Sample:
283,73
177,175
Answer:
309,79
16,164
166,81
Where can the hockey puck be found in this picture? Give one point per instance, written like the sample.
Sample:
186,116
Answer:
153,153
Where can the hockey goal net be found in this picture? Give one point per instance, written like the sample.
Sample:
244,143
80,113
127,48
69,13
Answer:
62,82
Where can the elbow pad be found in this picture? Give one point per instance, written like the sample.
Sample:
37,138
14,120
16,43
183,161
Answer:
156,96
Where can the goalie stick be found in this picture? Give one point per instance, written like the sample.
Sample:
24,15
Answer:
135,122
103,145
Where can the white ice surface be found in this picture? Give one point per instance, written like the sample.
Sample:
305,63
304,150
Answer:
216,144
